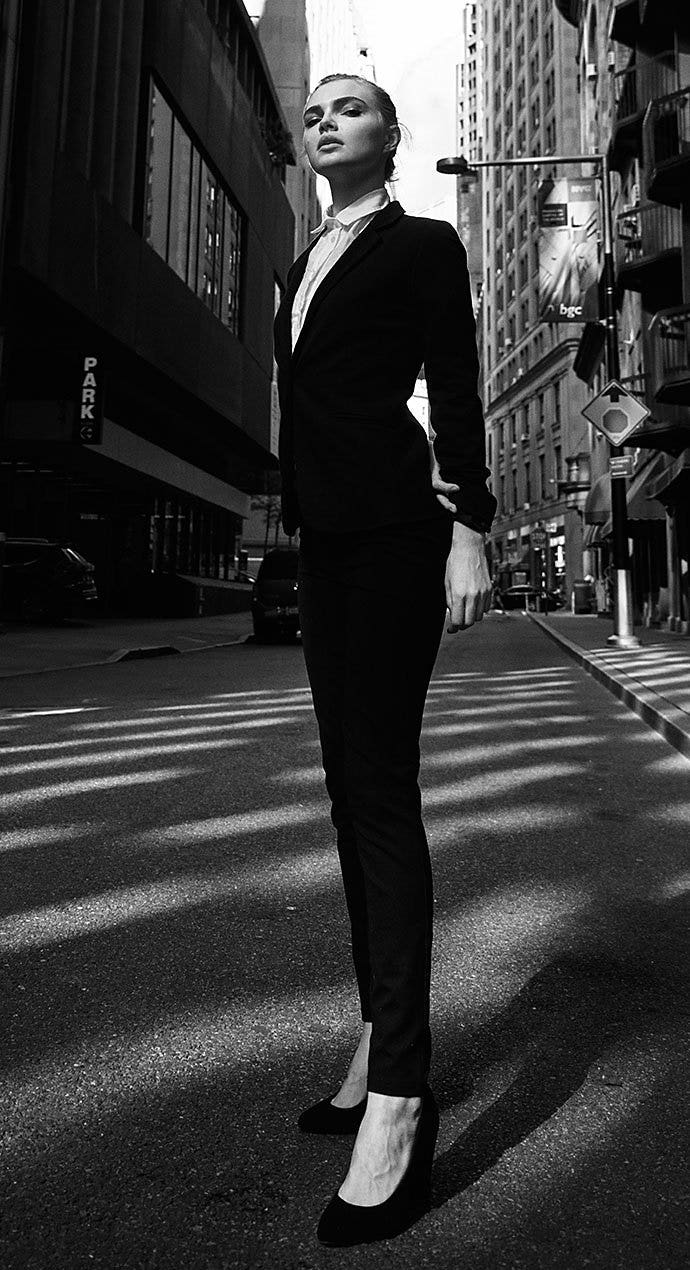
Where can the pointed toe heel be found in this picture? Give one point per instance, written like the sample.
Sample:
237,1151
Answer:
323,1117
342,1225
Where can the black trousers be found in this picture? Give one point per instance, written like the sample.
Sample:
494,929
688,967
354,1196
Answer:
372,608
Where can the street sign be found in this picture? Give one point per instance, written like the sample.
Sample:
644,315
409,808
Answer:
620,466
88,427
538,538
615,412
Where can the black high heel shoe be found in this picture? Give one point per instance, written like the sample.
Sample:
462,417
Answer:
325,1118
343,1224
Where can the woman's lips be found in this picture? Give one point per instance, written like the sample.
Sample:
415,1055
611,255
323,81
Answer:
323,144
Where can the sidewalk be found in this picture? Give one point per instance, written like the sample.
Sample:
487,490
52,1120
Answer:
30,649
653,680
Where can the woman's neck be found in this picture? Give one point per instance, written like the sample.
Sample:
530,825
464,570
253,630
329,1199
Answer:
348,191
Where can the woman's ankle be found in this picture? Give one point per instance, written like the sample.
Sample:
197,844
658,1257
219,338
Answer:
351,1092
394,1108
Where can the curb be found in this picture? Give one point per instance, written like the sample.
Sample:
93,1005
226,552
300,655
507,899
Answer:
146,650
656,711
125,654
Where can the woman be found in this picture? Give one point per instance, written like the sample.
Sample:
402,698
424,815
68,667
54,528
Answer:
391,533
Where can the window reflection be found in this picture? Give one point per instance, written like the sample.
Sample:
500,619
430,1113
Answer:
190,219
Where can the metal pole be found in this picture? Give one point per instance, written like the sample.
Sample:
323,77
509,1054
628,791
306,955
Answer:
623,634
531,161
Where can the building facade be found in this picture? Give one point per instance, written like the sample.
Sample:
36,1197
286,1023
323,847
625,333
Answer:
146,241
633,62
533,399
283,31
469,140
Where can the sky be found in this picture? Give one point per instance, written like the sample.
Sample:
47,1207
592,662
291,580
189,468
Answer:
415,48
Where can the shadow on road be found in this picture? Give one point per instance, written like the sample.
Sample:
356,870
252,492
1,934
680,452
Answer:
176,981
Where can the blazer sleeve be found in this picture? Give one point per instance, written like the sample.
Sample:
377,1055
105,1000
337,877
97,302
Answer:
451,364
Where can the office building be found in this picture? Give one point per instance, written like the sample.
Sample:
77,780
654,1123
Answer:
633,64
145,245
533,399
469,140
281,26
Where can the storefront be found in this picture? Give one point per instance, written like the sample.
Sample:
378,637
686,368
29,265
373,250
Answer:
646,541
671,486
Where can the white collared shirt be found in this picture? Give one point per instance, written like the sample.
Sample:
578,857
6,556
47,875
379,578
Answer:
338,233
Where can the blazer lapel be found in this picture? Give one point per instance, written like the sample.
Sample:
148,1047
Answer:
283,328
358,251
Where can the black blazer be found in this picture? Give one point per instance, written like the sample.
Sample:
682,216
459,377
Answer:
352,455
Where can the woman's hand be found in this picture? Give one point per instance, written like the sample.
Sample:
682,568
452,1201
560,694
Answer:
441,487
468,586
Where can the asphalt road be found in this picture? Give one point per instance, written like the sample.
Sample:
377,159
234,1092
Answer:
175,979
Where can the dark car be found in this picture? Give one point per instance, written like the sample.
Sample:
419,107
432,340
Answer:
526,597
44,579
274,598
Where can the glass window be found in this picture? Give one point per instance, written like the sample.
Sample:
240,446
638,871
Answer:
207,237
193,237
190,218
180,189
231,266
158,177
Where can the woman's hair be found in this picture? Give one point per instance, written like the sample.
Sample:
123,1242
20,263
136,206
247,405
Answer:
385,107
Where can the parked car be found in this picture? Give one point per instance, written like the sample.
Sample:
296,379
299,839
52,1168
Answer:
274,598
45,579
525,596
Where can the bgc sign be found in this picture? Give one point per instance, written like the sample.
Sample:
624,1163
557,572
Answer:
567,245
88,424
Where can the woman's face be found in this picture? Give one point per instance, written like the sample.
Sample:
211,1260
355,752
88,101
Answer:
343,130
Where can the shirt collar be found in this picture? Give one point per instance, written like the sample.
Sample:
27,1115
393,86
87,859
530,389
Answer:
348,216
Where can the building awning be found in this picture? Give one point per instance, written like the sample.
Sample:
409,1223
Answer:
670,473
132,451
570,10
641,503
593,536
590,350
598,504
625,22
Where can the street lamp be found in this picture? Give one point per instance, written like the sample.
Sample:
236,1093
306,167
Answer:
623,634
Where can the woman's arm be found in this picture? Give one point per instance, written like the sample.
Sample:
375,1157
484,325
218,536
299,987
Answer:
457,449
451,364
468,586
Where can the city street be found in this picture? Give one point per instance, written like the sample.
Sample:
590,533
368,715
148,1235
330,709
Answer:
175,980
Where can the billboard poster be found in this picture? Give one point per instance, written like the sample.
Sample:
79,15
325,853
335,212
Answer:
568,224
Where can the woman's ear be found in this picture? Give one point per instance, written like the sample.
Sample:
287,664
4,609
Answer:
394,138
